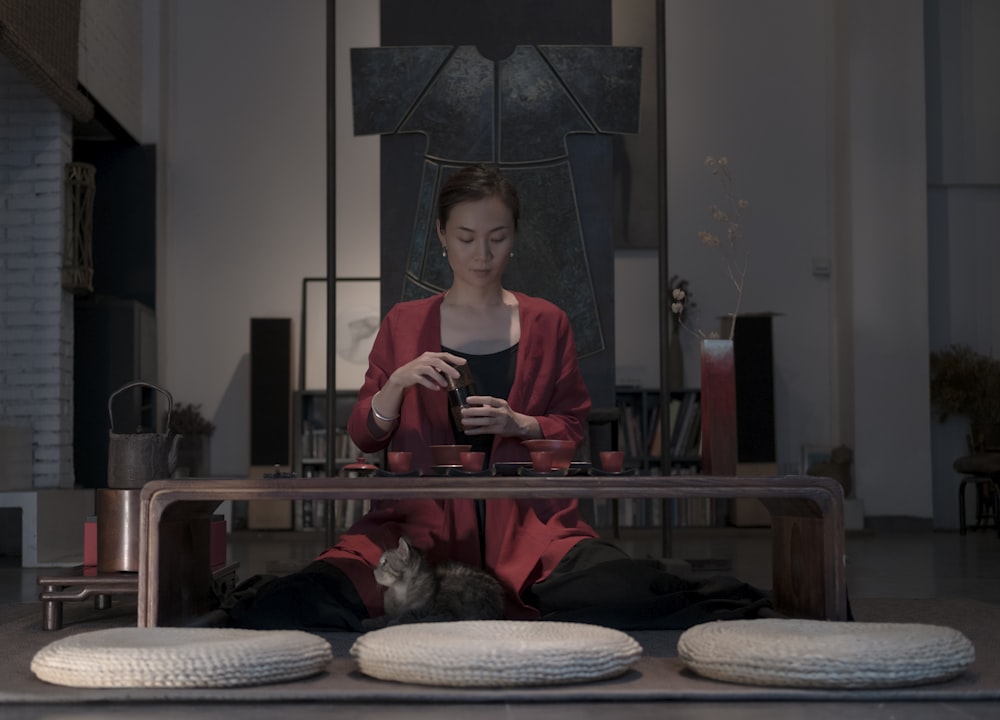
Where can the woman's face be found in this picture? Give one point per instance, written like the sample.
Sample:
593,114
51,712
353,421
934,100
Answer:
479,238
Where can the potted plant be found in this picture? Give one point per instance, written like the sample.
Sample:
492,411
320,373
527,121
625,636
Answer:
195,430
965,382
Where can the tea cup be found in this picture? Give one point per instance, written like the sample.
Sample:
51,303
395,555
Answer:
472,461
612,461
541,460
400,461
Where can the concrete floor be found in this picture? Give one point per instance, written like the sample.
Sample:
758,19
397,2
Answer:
879,564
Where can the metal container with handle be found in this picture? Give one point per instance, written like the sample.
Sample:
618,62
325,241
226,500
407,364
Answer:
133,460
136,458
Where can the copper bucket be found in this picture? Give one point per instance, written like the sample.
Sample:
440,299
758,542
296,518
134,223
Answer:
118,530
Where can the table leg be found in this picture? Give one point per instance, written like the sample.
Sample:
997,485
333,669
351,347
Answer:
52,610
808,559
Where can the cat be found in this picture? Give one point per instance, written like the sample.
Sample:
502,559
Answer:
416,591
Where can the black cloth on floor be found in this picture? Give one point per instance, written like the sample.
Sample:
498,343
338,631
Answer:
598,583
318,597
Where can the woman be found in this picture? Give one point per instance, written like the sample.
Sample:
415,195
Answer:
522,357
521,353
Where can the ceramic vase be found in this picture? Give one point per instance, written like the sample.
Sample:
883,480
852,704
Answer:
718,408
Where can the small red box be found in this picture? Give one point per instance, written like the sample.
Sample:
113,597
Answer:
90,542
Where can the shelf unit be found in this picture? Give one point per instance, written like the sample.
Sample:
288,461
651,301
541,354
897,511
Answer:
640,430
313,439
641,437
311,443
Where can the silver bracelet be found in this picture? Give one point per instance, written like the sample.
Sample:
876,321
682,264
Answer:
380,416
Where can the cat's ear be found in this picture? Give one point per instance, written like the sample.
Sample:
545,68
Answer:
404,547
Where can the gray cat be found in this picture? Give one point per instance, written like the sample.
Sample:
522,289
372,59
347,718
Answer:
415,591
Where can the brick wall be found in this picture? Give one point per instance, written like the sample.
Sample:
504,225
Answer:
36,314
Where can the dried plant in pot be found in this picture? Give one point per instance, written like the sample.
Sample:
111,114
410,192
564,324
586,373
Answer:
193,449
967,383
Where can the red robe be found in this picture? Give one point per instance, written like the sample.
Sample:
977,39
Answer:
524,539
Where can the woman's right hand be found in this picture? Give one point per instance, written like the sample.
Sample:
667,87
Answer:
433,370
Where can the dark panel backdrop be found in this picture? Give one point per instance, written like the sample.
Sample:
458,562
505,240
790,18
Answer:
563,168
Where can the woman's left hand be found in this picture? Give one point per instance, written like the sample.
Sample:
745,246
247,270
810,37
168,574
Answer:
493,416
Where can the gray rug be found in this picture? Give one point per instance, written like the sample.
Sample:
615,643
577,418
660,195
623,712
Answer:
658,676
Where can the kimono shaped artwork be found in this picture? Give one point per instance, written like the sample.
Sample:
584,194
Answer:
518,114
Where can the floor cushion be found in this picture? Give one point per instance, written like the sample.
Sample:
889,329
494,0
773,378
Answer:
495,653
825,654
180,657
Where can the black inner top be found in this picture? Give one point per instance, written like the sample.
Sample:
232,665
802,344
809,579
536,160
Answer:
493,375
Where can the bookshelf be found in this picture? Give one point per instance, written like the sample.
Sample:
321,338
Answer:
641,437
311,442
640,432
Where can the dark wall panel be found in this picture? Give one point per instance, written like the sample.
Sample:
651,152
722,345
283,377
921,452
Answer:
270,391
562,160
124,218
493,26
753,355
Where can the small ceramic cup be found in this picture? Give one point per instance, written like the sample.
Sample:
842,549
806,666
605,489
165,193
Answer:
541,460
400,461
612,461
472,461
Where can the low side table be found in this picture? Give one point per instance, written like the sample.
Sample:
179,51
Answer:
80,584
84,582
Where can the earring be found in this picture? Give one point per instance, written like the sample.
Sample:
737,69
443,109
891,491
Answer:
444,251
512,253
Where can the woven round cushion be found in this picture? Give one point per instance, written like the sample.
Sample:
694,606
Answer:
180,657
495,653
817,653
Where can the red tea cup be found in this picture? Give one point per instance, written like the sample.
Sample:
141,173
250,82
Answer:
541,460
612,461
400,461
472,461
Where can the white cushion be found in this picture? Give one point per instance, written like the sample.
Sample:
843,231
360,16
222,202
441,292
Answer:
495,653
816,653
180,657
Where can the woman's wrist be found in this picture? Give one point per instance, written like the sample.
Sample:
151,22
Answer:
529,427
380,416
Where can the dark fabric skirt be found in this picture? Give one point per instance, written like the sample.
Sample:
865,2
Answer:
596,582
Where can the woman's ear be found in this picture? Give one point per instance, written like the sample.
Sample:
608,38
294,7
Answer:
440,230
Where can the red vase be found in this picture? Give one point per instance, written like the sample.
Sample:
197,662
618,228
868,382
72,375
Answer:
718,408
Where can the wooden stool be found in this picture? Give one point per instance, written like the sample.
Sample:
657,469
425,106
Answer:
85,582
982,469
81,584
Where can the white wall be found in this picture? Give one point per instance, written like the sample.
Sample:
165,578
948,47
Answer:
886,227
748,81
828,152
244,155
964,197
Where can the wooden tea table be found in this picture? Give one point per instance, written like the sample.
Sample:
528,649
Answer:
807,526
